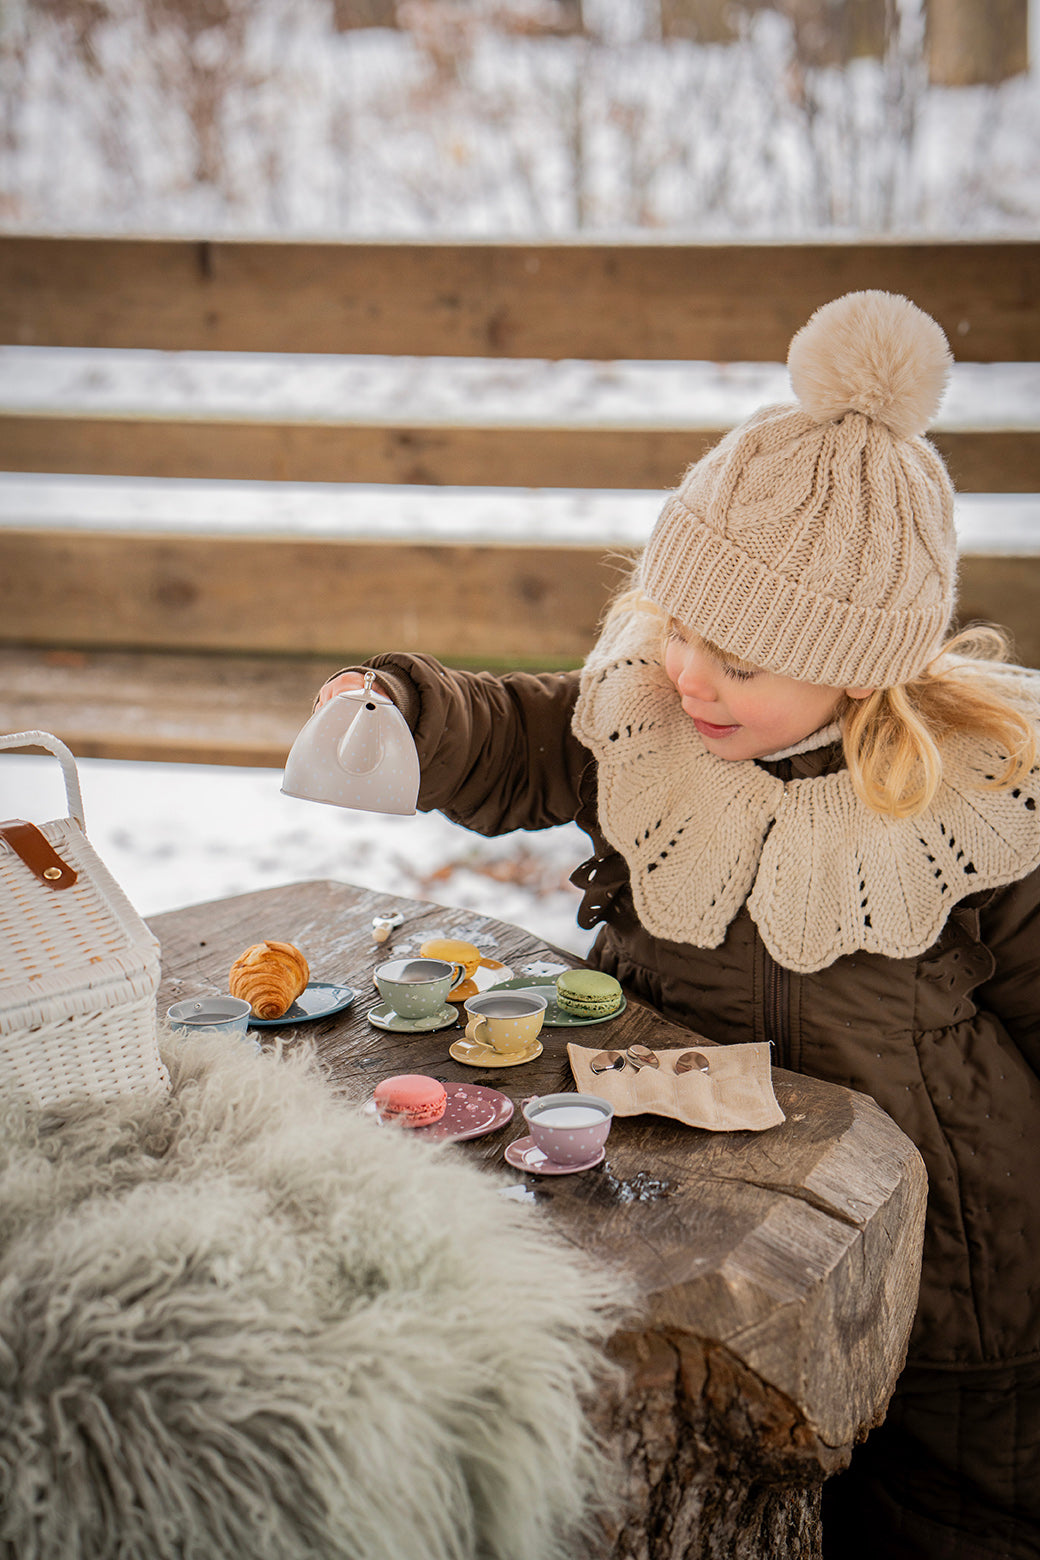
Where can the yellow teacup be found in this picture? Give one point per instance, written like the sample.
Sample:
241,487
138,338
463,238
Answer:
505,1021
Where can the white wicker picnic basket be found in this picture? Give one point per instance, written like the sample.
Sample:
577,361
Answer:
79,969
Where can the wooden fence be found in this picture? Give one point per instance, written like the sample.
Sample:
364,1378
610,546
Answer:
209,648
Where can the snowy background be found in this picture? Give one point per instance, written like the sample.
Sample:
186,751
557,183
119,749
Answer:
205,117
470,118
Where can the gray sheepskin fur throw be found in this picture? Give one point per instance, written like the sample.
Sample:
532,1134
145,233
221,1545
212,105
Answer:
247,1322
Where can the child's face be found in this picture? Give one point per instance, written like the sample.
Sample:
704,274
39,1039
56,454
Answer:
741,711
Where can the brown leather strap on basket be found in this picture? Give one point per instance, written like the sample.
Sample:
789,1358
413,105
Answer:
38,854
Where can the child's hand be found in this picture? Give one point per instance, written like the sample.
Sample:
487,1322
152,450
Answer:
343,682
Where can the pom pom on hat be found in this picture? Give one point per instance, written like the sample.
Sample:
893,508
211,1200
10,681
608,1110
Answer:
875,353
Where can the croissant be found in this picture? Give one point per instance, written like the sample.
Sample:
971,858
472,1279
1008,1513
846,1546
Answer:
269,976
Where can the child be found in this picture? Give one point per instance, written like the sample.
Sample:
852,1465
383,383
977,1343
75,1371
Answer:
815,823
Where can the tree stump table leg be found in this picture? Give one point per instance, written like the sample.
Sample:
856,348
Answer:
717,1464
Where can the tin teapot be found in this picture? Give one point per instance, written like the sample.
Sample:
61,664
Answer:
355,751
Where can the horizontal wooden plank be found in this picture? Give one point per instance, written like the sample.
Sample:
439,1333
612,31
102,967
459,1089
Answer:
491,455
472,604
500,455
1003,589
170,708
238,709
313,597
722,302
991,461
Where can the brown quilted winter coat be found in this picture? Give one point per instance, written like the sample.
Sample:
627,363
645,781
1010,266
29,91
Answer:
948,1043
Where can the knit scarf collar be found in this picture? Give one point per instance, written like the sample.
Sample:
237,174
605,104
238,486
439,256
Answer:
822,875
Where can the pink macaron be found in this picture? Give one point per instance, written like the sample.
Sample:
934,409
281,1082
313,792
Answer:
410,1100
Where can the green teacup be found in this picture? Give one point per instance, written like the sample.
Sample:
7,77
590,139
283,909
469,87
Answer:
418,988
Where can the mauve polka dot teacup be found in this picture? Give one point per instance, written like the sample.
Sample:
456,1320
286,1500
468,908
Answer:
570,1129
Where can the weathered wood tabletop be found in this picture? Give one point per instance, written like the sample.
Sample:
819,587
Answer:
778,1270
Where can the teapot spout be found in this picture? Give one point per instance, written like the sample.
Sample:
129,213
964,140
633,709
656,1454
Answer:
361,748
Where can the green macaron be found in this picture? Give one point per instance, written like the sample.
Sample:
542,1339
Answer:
588,993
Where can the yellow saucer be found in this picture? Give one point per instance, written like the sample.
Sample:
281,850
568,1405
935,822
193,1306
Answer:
488,974
475,1055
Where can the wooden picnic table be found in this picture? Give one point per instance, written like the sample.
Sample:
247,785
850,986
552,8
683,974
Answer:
778,1270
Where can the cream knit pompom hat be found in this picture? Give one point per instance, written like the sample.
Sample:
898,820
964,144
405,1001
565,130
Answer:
817,540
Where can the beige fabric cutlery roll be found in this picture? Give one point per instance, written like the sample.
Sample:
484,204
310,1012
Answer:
735,1094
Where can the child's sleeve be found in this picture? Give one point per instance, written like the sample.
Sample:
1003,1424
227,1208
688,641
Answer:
495,753
1010,928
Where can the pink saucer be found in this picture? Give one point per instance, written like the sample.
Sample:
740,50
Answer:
524,1154
472,1110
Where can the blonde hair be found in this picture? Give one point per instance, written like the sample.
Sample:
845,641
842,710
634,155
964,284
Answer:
893,738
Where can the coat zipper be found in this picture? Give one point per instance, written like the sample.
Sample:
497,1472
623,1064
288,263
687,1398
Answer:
776,987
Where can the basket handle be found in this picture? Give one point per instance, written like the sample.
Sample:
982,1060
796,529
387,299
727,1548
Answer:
44,739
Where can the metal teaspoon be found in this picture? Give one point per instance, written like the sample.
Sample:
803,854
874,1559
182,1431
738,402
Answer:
607,1061
641,1056
692,1061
